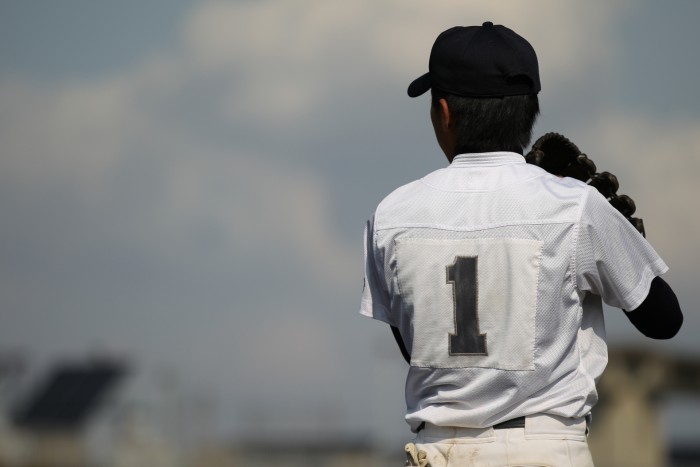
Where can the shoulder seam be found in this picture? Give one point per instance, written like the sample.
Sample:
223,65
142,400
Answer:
576,235
474,228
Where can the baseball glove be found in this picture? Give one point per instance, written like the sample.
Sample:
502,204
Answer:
559,156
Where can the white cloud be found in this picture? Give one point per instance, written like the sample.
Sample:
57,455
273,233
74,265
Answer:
285,59
67,134
261,208
82,139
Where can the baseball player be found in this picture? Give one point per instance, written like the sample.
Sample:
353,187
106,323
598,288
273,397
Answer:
492,272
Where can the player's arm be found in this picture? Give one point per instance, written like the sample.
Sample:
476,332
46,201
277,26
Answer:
659,316
402,346
616,263
375,296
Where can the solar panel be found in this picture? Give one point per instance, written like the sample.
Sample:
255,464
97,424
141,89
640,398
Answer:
69,396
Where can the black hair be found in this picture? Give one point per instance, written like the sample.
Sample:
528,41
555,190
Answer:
488,124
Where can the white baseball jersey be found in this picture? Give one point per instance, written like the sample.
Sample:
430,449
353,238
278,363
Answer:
493,270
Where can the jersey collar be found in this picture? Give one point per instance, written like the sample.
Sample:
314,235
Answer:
486,159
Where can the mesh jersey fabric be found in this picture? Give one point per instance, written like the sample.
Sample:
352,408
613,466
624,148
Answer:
519,261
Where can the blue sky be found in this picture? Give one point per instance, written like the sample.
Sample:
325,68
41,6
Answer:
185,183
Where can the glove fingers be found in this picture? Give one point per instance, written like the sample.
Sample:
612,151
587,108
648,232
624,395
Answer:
606,183
638,224
582,169
624,204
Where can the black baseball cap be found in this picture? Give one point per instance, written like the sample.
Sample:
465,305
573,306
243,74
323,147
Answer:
480,61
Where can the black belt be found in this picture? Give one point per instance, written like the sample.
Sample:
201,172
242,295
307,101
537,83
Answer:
512,423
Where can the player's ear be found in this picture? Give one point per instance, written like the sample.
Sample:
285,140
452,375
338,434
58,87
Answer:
445,114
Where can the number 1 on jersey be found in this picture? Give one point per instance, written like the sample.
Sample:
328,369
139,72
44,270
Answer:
466,340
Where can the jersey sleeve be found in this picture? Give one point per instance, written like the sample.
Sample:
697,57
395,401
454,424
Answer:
375,296
612,259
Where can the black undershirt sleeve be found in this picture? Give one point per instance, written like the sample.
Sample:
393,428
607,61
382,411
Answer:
402,346
659,316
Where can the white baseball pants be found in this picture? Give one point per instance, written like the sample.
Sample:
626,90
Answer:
546,441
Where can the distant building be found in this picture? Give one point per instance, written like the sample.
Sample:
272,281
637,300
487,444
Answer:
47,427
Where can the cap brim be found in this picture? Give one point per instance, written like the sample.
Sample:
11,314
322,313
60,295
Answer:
420,85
